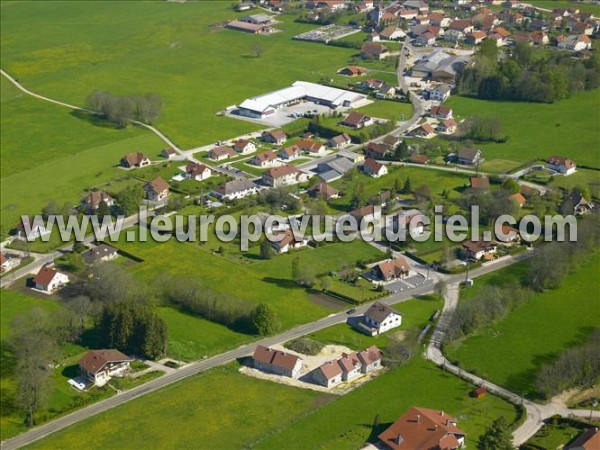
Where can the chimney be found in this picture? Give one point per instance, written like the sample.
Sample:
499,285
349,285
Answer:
442,413
418,418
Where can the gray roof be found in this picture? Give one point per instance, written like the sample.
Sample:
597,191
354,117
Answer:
330,175
468,153
341,165
441,61
234,186
99,252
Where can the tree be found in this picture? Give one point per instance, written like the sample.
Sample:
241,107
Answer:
264,320
79,247
401,151
497,436
422,193
325,283
257,50
130,199
80,309
295,268
51,209
397,186
266,251
407,189
441,288
34,344
511,185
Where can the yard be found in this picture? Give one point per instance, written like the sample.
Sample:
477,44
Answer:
538,131
534,334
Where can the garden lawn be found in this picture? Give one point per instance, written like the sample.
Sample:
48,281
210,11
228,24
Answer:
193,337
178,50
386,109
552,4
220,407
415,314
535,333
537,130
347,421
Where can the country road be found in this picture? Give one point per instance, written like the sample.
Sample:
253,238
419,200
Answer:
200,366
536,413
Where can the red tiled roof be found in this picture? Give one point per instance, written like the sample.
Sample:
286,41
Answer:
94,360
330,370
281,171
45,276
373,165
394,267
480,182
370,355
158,185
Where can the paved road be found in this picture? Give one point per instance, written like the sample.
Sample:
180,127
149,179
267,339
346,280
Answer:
536,413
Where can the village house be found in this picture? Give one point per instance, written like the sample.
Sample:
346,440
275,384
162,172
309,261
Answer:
374,50
392,269
412,220
519,199
357,120
477,250
197,172
371,83
277,362
479,183
374,168
99,366
423,429
100,253
264,159
392,33
440,112
576,202
447,126
582,28
539,38
328,374
562,165
588,440
418,159
253,28
30,229
5,262
334,170
439,20
276,137
157,190
288,241
576,43
379,318
469,156
92,201
367,213
339,141
464,26
221,152
135,160
475,37
424,131
324,191
370,359
236,189
311,147
408,14
353,157
350,365
353,71
386,91
377,151
168,153
392,140
426,39
244,146
50,280
440,93
289,153
285,175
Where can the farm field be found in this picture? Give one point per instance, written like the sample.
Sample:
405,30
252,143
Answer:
551,4
527,337
40,140
153,42
222,407
538,131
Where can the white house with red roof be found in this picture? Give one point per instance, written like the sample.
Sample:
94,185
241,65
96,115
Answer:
562,165
50,280
328,374
197,172
374,168
380,318
276,361
244,146
370,359
286,241
99,366
156,190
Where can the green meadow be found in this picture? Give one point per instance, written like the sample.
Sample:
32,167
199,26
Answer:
177,50
537,130
535,333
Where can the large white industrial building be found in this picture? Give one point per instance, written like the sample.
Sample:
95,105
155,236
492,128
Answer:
264,105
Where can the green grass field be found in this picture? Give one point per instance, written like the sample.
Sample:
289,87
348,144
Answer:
551,4
171,49
41,141
535,333
220,407
537,131
554,435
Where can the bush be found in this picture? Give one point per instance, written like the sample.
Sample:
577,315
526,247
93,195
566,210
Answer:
305,346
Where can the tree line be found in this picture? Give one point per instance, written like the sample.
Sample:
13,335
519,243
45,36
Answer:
120,110
529,74
576,367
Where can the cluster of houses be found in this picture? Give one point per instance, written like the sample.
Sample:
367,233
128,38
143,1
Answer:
329,374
